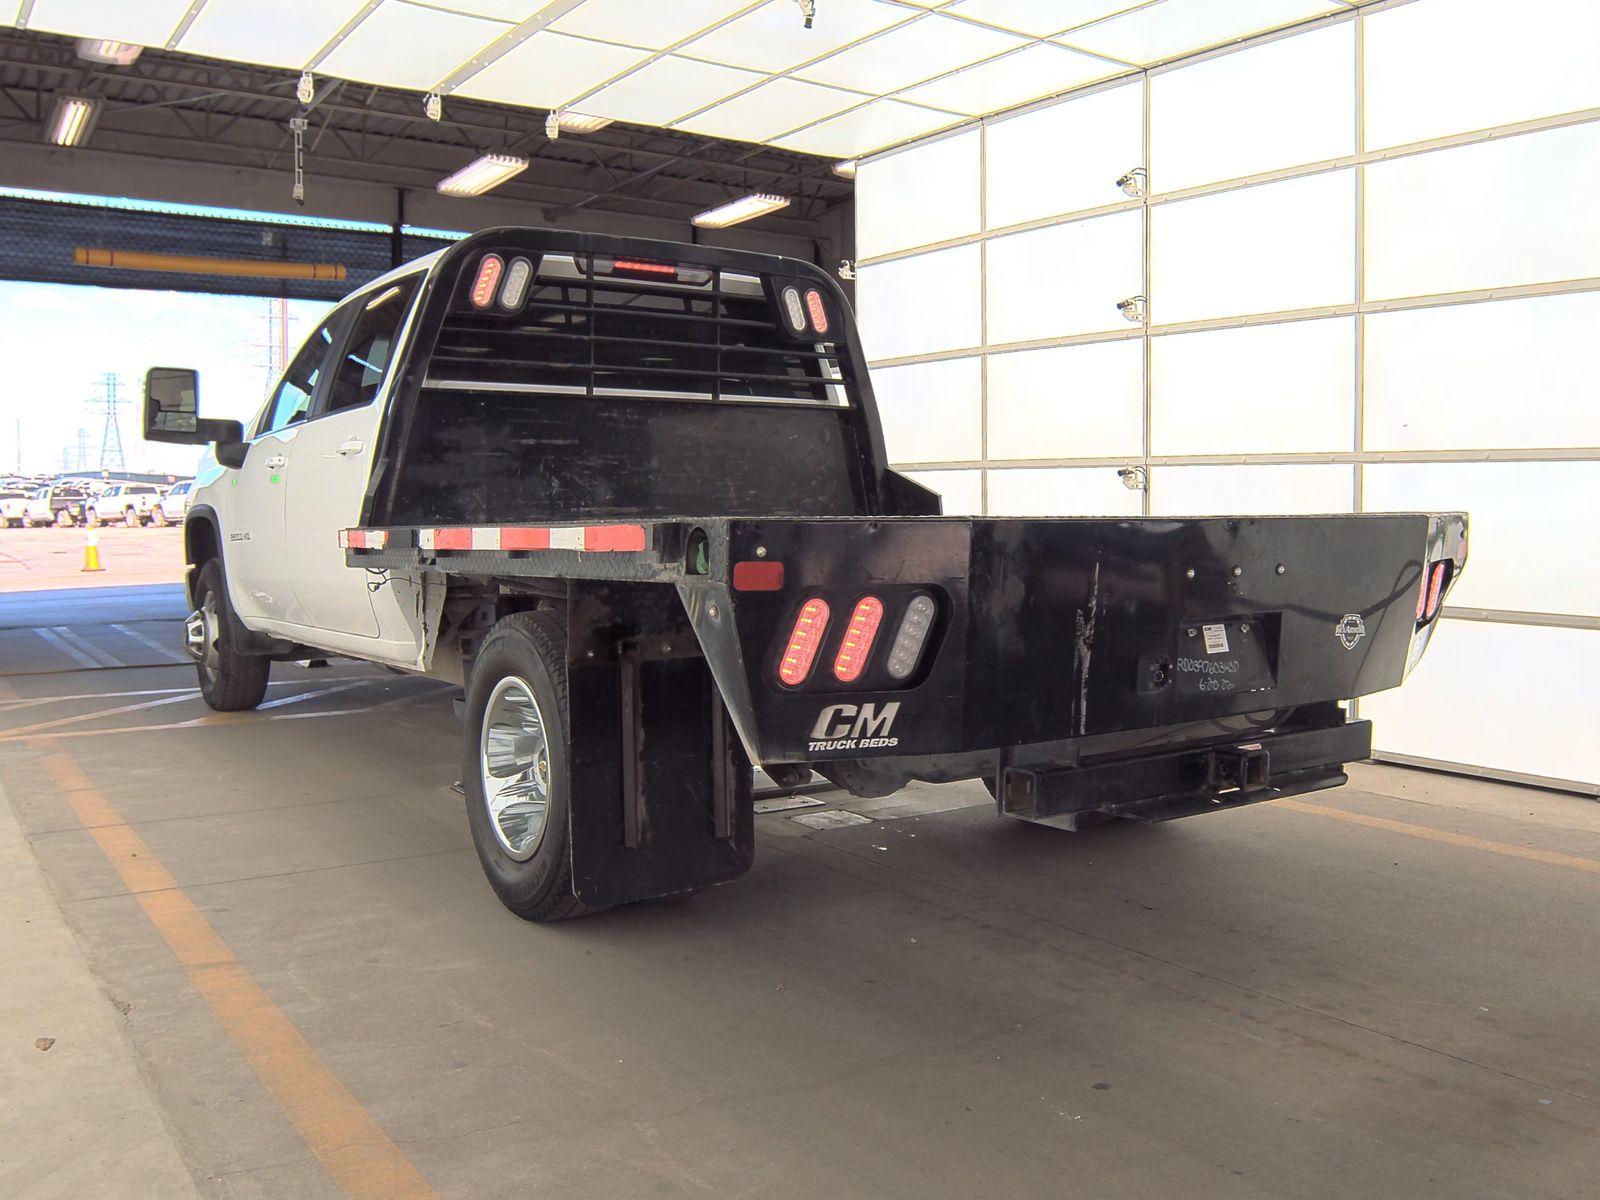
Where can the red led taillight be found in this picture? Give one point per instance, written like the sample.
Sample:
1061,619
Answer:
801,652
1435,588
858,638
644,268
817,310
488,276
1422,596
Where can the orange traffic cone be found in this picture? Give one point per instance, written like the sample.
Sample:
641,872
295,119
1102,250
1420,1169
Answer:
91,552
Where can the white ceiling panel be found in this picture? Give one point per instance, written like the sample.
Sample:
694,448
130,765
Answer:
1175,27
928,46
1039,18
147,22
548,70
406,45
1040,70
770,110
870,127
654,24
661,92
9,10
288,34
516,11
774,38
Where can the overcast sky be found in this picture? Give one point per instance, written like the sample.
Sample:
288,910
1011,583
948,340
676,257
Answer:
58,341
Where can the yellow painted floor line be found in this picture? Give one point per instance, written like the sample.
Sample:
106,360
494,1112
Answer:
354,1150
1551,858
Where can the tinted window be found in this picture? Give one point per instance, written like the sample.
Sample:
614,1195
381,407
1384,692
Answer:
292,400
370,349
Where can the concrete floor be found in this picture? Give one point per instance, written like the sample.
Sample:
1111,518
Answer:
1388,991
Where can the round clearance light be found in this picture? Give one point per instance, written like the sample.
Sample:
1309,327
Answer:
489,271
794,310
515,290
818,310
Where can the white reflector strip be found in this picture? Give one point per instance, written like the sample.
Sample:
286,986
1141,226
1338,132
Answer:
593,539
486,538
566,539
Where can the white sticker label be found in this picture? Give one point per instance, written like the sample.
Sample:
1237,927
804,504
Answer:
1216,638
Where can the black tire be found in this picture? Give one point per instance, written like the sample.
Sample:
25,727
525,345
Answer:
158,517
239,681
64,518
91,518
526,646
130,518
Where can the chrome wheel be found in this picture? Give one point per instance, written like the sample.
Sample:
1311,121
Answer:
200,636
514,762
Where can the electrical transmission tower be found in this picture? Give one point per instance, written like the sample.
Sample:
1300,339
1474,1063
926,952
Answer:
111,436
83,449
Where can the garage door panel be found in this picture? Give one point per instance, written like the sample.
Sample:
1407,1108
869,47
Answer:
1505,697
1252,489
1531,524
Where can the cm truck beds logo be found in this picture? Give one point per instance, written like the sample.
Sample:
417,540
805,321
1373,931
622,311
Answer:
854,727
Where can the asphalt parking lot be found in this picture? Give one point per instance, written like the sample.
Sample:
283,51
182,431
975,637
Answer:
276,971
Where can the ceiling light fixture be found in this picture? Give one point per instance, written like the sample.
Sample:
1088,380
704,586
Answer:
845,169
70,120
743,209
306,90
119,54
482,174
808,9
576,122
433,106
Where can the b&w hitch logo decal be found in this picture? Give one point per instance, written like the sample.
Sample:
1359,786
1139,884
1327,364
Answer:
1350,630
854,727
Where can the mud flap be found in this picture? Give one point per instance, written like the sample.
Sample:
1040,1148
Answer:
661,787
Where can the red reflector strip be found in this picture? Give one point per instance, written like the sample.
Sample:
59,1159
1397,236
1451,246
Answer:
488,276
613,537
757,576
363,539
1435,587
858,639
801,652
817,310
513,538
451,539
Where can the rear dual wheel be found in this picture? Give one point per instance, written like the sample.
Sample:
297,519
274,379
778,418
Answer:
515,767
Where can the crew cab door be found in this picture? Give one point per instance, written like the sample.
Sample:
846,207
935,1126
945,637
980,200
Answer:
253,550
329,466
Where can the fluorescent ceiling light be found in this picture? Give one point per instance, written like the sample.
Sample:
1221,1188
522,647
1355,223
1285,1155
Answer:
478,176
742,209
117,53
845,169
69,121
575,122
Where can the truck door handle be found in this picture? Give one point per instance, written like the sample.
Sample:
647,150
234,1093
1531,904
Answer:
350,446
276,461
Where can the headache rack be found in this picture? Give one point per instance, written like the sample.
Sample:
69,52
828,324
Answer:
592,325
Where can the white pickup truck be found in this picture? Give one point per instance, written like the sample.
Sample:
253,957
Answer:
634,497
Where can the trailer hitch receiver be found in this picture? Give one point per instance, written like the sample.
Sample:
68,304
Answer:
1242,768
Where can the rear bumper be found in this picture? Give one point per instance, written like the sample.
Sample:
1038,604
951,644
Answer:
1187,781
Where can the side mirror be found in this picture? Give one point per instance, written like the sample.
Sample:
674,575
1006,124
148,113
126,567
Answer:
172,411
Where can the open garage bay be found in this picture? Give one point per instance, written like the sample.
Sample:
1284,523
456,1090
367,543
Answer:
305,988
